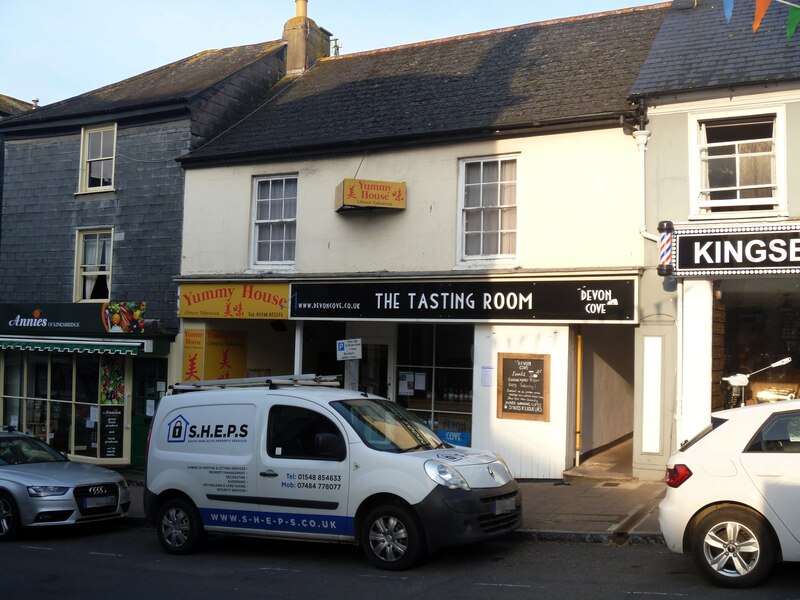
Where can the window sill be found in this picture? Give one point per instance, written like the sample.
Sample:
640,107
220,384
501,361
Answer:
760,215
486,263
109,191
274,268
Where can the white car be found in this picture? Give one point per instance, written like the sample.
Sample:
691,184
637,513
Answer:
733,492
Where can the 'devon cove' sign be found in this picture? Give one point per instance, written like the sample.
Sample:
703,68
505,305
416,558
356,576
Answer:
610,300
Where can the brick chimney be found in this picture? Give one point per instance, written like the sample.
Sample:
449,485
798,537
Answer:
307,42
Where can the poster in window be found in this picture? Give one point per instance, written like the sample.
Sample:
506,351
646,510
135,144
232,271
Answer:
111,422
523,386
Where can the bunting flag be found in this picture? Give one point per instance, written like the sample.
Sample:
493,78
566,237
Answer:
761,9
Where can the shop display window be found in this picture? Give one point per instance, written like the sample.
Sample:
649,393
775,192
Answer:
60,398
434,377
756,323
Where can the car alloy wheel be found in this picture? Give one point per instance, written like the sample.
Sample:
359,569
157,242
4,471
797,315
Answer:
9,517
734,548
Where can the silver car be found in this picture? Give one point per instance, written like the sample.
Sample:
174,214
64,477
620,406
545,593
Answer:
40,487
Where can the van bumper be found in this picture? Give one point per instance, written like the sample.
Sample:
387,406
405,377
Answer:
454,517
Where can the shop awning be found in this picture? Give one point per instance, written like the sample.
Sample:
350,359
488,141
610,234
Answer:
51,344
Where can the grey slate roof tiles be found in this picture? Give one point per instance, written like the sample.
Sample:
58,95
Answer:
536,74
175,82
697,48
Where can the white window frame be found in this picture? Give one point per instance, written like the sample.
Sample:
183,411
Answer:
286,265
86,132
699,209
81,275
493,260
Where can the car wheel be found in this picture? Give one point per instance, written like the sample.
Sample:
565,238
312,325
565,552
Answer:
733,547
9,517
180,530
392,537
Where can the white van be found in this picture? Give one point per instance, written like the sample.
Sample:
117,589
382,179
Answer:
312,462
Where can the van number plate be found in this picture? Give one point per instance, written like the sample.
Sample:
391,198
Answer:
504,505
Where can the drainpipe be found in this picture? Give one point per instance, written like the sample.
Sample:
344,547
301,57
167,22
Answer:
641,136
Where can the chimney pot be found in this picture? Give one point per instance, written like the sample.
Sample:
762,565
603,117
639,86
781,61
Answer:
301,6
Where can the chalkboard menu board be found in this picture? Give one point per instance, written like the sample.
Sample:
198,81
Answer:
523,386
111,418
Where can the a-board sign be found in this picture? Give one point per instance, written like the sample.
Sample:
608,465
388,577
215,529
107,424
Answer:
523,386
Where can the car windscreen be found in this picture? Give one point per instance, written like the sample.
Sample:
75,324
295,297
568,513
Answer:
18,450
386,426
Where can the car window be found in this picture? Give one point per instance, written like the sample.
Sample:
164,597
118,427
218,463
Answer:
23,450
715,422
295,432
780,433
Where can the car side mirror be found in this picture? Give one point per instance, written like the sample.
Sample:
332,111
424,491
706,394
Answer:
329,445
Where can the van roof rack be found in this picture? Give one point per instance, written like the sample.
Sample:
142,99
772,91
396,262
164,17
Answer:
272,382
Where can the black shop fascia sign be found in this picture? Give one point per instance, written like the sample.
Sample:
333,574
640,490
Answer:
769,249
609,300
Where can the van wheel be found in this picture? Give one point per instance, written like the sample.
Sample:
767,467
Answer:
9,518
392,537
733,548
180,530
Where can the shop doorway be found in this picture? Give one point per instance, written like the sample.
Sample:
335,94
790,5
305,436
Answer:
374,372
149,385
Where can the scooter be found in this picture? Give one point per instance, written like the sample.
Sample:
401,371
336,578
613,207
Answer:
738,384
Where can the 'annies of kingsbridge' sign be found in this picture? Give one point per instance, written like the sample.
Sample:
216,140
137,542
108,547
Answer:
364,194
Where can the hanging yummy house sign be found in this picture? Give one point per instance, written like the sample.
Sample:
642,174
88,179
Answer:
610,300
365,194
772,249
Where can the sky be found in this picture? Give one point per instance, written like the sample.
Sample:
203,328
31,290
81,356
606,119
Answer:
57,49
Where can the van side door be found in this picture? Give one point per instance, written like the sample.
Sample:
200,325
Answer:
303,475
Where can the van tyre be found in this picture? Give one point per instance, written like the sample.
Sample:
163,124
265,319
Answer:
9,518
733,547
392,537
180,529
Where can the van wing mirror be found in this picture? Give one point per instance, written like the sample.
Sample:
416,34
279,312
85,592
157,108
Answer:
329,445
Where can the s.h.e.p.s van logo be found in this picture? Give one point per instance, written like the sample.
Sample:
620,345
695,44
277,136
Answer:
181,430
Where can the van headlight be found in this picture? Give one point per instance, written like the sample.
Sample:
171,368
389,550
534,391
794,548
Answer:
445,475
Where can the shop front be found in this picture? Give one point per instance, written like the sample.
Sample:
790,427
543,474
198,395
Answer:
492,363
82,377
739,300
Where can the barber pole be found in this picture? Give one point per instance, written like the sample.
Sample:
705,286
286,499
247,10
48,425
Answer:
665,266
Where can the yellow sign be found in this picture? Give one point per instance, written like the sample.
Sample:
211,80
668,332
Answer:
194,354
226,300
362,194
212,354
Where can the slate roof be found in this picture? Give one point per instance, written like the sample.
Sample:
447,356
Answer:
12,106
697,48
174,83
547,73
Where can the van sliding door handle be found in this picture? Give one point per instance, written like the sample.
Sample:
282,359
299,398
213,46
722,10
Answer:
269,473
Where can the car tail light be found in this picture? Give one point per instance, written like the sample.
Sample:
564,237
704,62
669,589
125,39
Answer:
677,475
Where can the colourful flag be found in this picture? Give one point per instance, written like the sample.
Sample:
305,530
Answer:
761,9
728,4
794,20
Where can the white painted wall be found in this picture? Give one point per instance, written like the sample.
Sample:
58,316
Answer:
533,449
577,197
693,410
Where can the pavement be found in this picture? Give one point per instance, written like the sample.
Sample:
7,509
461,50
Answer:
597,502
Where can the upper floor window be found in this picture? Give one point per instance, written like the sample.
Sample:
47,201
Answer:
739,166
93,280
275,219
488,202
97,158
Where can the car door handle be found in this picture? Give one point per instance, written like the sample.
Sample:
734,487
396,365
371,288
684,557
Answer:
269,473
